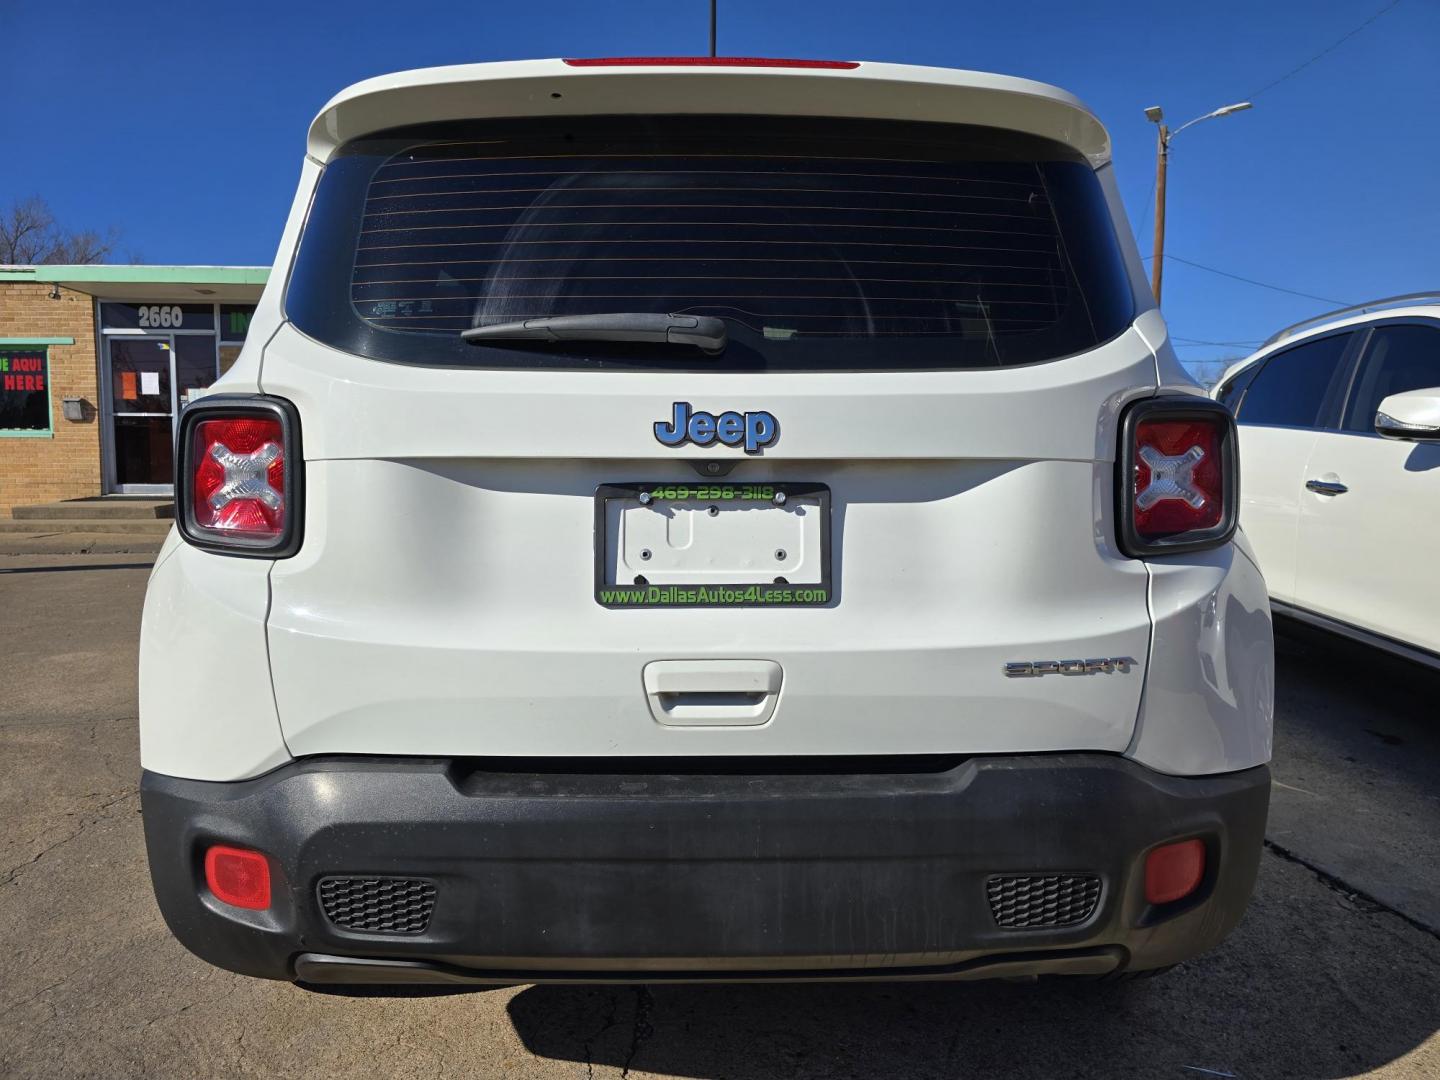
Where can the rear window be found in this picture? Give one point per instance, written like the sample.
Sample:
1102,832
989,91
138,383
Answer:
825,244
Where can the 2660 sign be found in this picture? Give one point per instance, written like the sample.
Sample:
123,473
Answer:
153,317
168,316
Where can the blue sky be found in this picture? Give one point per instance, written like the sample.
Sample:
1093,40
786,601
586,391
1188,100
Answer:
183,123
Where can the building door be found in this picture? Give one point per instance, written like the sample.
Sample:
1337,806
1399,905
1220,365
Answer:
150,380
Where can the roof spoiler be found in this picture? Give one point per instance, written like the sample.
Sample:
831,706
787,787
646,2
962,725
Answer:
1403,300
863,90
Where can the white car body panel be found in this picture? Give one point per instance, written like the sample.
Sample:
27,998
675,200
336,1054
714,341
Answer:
485,637
1272,463
1339,571
1200,718
205,710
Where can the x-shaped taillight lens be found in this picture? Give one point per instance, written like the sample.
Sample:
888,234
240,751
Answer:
1179,478
238,475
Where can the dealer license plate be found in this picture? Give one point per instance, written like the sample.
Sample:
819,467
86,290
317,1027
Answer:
712,544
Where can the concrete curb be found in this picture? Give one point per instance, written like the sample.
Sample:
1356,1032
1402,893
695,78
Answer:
58,543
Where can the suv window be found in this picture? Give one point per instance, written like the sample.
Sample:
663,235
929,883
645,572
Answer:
823,243
1229,394
1290,390
1397,359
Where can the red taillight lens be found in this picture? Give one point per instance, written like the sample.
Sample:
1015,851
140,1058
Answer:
1174,871
708,61
239,476
238,877
1177,486
1179,483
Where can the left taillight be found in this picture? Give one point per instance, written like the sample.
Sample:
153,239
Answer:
238,476
1178,481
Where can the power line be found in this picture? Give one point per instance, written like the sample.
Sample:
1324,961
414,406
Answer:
1154,184
1200,341
1262,284
1326,51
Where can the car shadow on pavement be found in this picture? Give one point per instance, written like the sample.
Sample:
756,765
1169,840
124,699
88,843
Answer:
1357,769
1264,1004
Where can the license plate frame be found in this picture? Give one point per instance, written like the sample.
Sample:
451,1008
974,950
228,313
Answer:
756,594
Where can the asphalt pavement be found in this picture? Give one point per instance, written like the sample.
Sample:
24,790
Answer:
1334,972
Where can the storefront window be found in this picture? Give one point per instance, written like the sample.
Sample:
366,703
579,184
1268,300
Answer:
194,366
24,390
235,321
234,325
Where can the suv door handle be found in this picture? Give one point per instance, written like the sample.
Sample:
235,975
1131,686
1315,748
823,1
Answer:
729,693
1325,487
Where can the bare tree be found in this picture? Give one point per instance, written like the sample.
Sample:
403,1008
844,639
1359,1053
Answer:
29,234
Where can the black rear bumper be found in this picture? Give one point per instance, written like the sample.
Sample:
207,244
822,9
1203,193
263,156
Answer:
647,871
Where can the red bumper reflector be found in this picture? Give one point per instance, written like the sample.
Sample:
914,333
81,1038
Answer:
1174,871
238,877
708,61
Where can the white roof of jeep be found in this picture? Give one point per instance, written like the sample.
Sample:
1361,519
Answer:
1426,304
559,88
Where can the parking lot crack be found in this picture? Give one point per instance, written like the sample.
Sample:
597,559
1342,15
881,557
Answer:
34,997
47,722
1359,898
606,1024
641,1028
228,993
94,817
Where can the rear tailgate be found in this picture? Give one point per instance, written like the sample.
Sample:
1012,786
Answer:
444,599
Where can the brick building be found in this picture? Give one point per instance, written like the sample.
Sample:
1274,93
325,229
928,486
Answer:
95,364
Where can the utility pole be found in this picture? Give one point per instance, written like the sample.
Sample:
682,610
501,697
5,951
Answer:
1162,164
712,27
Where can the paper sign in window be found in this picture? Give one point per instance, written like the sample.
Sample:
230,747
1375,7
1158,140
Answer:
149,383
128,391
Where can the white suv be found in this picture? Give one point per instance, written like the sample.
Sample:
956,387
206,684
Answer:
1339,421
704,519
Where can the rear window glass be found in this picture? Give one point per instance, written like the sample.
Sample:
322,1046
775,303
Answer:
823,244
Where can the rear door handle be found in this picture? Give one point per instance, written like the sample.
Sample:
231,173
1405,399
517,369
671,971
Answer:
1325,487
705,693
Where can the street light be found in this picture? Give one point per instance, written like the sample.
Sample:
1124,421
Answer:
1162,159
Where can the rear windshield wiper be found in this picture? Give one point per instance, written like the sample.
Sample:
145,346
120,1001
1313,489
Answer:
703,331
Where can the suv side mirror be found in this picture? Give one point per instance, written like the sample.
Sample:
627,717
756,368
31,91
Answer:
1413,415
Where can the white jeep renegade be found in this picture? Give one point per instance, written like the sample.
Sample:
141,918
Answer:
704,520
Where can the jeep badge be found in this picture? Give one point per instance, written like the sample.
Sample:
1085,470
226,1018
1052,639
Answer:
753,430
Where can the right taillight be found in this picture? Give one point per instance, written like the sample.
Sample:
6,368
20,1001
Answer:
1178,480
238,476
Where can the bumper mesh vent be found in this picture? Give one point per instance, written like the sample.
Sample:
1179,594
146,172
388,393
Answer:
378,905
1054,900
